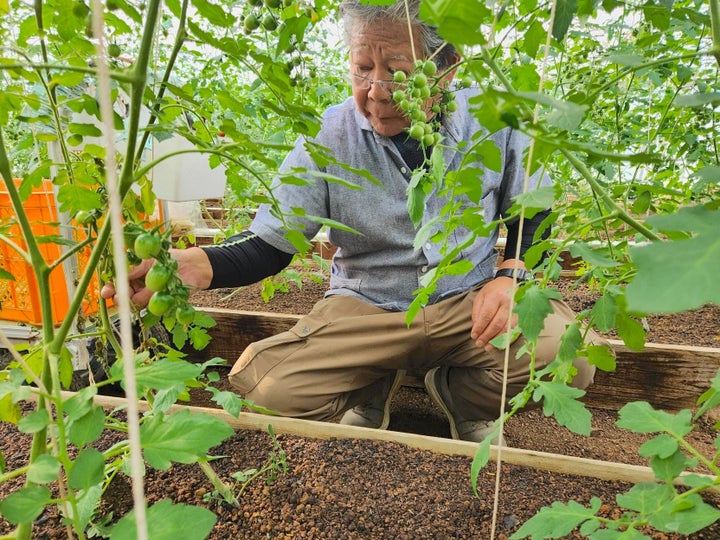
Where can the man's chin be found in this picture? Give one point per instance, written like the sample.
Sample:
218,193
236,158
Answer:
388,127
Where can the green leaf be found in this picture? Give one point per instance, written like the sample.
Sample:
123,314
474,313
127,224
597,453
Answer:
565,115
594,256
532,309
162,374
44,469
215,15
689,520
557,520
640,417
481,458
669,468
80,404
602,356
630,331
534,37
662,446
88,428
604,313
168,521
535,200
646,498
34,422
72,197
229,401
682,269
88,469
25,505
560,401
181,437
564,13
458,21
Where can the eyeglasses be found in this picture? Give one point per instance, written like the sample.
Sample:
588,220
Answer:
363,83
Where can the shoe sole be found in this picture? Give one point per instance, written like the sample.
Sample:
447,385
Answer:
393,389
435,396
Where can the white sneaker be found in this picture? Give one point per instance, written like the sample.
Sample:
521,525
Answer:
376,412
460,428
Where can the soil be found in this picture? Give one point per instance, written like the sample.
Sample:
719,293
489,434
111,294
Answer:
358,489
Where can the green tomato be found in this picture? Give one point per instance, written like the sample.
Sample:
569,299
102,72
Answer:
185,314
84,217
114,50
273,3
251,22
399,76
147,245
420,80
157,277
429,68
269,22
160,303
417,132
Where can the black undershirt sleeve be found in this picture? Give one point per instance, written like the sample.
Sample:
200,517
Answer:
244,259
530,226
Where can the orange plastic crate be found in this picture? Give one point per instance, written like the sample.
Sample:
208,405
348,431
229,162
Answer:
20,299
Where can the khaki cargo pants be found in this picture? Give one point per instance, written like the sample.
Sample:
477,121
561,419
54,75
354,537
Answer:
334,358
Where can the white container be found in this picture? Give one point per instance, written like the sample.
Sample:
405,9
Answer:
187,176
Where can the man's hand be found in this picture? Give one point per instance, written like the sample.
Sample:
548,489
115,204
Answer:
193,269
491,310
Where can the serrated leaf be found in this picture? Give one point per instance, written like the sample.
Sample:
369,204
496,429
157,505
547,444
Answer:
168,521
533,308
662,446
181,437
44,469
630,331
25,505
229,401
604,313
593,256
560,401
602,356
646,497
669,468
640,417
481,458
557,520
688,521
166,373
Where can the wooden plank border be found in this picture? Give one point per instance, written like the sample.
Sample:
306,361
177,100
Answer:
556,463
669,377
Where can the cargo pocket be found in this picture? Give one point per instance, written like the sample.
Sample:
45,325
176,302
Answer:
260,357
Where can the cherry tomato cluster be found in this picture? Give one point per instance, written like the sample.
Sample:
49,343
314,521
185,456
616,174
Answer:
418,94
264,15
170,296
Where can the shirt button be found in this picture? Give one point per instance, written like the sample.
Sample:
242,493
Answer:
403,170
428,246
423,269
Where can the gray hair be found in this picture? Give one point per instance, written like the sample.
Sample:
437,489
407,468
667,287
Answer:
357,16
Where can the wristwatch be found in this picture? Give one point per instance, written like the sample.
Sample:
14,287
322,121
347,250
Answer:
520,274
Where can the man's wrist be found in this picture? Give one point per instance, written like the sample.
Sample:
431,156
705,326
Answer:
520,274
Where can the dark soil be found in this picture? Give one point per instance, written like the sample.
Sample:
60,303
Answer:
358,489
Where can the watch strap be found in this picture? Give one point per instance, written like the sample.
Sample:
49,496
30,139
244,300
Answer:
520,274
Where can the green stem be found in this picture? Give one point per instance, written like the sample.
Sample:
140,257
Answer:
225,491
180,37
117,76
715,23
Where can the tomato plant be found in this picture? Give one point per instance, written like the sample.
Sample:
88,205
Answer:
620,100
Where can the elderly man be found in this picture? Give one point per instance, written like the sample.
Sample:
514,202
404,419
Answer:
346,357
